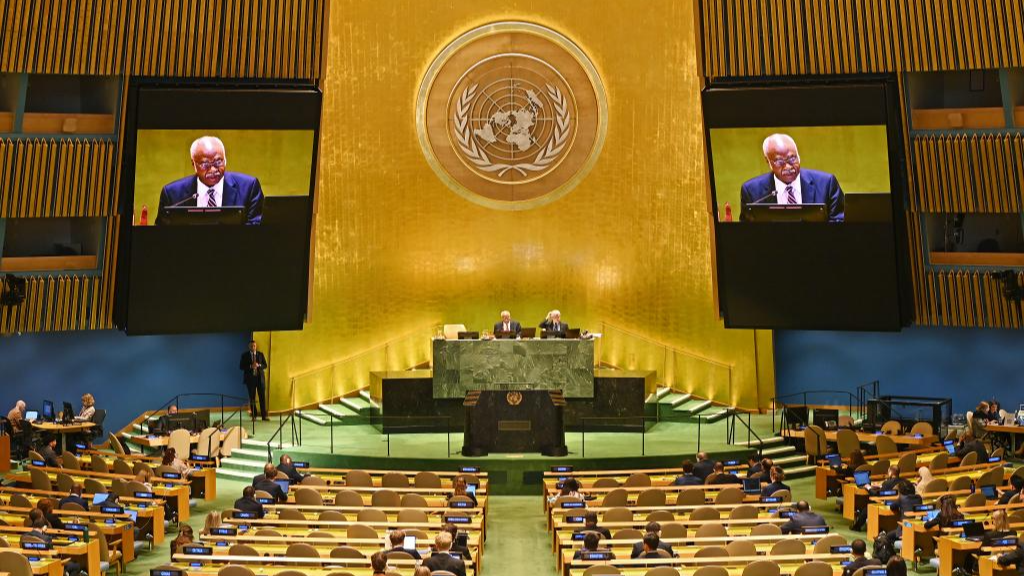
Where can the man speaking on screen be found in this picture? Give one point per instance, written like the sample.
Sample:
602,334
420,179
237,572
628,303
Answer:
788,184
212,186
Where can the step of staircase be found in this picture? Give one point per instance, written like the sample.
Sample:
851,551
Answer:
776,451
235,474
340,415
365,395
799,471
769,441
662,391
720,414
795,459
357,404
312,417
693,407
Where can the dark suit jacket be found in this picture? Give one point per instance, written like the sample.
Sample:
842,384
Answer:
270,487
550,326
638,549
239,190
250,505
815,188
688,480
442,561
703,469
859,563
50,457
755,469
605,533
414,553
288,470
726,478
76,499
512,324
245,363
773,488
973,446
907,502
801,520
1015,557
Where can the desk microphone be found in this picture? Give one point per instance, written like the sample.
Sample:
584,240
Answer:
196,195
766,197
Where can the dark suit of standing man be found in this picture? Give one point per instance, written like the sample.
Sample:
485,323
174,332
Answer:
790,184
507,324
213,186
253,365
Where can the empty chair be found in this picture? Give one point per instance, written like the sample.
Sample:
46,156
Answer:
40,480
140,466
790,546
880,467
19,500
922,428
628,534
123,467
348,498
331,516
340,573
234,570
661,516
70,461
760,568
705,513
907,463
358,478
662,571
263,494
731,495
413,501
673,530
847,441
975,500
618,515
711,571
652,497
395,480
412,516
232,439
420,535
815,568
98,464
399,555
961,483
815,445
969,459
290,573
600,570
209,443
427,480
14,563
461,502
936,485
741,548
320,534
885,445
637,479
939,462
824,546
385,499
301,550
845,421
291,514
180,440
242,550
993,477
361,531
606,483
784,494
892,427
711,552
308,497
371,515
743,512
711,531
617,497
72,507
115,444
313,481
64,482
998,453
692,497
346,552
766,530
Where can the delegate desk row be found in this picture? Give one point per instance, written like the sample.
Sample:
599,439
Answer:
202,471
827,475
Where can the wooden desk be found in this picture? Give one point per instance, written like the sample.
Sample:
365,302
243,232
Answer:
5,453
577,567
62,429
869,438
989,567
1013,431
297,563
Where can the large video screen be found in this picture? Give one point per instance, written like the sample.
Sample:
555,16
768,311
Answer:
806,179
217,195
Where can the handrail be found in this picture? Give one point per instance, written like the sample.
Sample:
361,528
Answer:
732,436
176,401
364,352
290,419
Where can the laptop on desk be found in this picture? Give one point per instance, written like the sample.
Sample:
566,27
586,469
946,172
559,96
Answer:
974,531
505,334
785,212
469,335
528,333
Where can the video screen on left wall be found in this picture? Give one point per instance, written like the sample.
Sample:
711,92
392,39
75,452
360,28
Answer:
217,188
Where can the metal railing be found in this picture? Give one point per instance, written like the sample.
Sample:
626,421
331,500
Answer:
224,419
296,432
629,424
733,418
787,406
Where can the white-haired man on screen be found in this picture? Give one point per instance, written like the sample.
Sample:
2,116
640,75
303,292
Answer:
787,183
212,185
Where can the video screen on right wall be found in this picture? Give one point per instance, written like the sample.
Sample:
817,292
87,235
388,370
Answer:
806,179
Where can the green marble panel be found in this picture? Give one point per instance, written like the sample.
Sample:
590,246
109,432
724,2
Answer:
464,365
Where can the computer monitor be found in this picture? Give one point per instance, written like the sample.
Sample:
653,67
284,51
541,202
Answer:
48,412
990,492
471,489
505,334
752,485
551,334
950,448
284,484
931,515
31,415
469,335
176,421
99,499
834,460
528,333
409,543
974,530
573,333
68,412
861,477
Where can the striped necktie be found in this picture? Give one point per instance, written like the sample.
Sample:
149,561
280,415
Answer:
790,197
211,198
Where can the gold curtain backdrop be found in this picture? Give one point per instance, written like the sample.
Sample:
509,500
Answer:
628,251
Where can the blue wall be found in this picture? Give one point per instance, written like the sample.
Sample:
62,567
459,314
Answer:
127,375
963,364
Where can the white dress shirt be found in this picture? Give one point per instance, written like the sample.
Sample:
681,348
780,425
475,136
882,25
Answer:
202,200
780,191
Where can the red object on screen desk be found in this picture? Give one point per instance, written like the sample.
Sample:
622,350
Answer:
728,212
144,218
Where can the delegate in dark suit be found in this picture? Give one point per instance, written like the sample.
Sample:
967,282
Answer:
444,561
254,378
801,520
250,505
74,499
638,549
513,326
815,188
271,487
239,190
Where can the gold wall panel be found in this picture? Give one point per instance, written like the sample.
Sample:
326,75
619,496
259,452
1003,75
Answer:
180,38
56,178
965,298
396,250
967,173
790,37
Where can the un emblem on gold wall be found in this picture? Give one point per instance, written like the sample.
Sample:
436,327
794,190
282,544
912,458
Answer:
511,115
